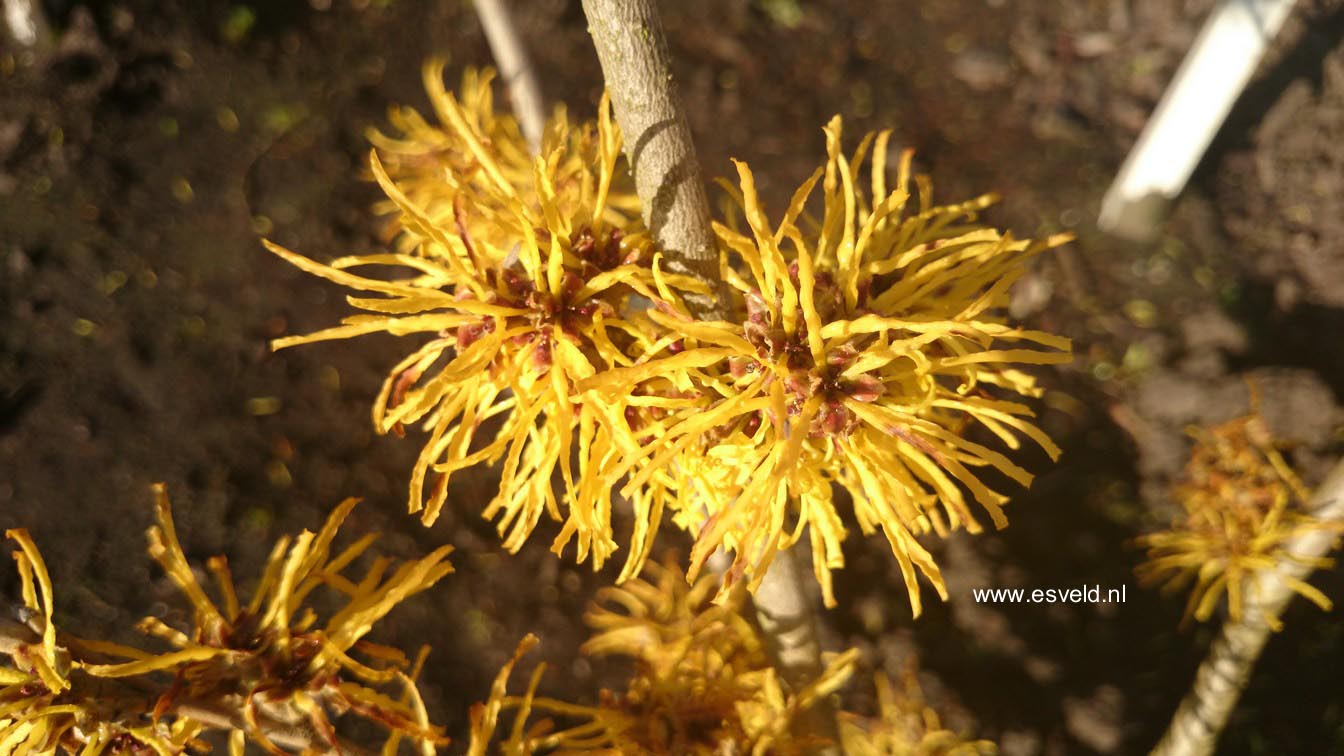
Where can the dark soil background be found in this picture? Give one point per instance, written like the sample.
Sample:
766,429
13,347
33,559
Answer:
142,159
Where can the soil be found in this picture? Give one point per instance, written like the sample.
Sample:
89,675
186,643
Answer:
141,159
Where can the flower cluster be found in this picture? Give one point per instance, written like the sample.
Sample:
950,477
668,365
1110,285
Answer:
866,344
41,710
267,670
702,684
525,285
860,350
428,160
1240,506
905,725
474,149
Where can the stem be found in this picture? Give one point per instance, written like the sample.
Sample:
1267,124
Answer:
1221,677
292,736
788,620
515,69
632,49
628,35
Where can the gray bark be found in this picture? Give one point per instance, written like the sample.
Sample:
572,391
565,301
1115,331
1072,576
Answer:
630,44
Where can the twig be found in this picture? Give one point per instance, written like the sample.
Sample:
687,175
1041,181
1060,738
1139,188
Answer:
1221,677
788,619
630,44
515,68
633,52
292,736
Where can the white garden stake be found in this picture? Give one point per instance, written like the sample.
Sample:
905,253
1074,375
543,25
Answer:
1193,108
24,25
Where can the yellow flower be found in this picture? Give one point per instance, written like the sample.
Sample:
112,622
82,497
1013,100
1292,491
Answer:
267,670
702,682
40,662
428,160
1241,503
905,726
473,150
45,706
270,653
524,282
864,348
